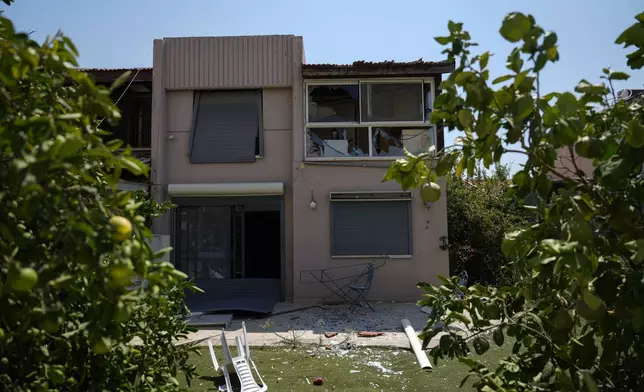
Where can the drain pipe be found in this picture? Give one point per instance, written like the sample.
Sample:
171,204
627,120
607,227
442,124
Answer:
421,357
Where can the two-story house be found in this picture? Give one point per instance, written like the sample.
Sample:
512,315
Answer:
276,167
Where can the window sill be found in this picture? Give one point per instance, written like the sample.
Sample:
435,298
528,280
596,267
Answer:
372,257
353,159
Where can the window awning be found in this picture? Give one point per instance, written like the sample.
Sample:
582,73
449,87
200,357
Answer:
227,189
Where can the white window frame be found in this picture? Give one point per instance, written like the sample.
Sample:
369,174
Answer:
368,124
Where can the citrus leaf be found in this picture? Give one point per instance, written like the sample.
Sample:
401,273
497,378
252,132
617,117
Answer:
591,300
502,79
515,26
635,133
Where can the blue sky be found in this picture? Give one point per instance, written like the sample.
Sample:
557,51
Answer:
119,33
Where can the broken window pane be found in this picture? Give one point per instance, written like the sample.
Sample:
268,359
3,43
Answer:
333,103
337,142
392,102
392,141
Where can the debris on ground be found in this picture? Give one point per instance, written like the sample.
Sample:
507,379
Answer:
329,335
318,380
381,368
369,334
342,318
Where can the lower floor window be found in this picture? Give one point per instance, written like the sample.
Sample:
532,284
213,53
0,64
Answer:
371,228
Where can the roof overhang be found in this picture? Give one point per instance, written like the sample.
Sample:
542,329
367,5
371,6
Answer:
227,189
386,69
109,75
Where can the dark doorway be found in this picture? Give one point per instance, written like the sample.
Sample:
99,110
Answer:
262,244
232,248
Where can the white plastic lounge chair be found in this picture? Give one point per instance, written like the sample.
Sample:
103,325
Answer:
215,364
241,366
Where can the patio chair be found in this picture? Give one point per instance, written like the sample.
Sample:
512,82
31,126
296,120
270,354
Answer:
240,364
362,286
350,283
247,353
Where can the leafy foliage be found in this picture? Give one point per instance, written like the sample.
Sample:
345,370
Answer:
478,215
71,246
577,319
150,208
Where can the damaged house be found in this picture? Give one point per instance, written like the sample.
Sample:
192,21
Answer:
276,168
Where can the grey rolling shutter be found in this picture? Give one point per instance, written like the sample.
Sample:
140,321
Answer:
226,126
371,228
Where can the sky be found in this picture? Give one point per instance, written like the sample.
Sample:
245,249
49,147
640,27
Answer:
119,33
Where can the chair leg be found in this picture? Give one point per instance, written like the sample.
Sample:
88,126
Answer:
360,298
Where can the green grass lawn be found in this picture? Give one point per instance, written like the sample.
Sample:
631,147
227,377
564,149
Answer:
286,369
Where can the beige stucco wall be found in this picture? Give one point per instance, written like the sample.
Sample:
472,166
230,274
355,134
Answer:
312,232
564,164
275,165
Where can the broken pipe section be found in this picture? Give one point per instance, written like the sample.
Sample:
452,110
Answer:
414,342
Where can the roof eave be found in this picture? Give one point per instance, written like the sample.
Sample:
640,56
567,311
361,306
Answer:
386,70
110,75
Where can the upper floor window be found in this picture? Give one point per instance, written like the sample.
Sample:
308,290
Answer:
368,118
134,127
227,126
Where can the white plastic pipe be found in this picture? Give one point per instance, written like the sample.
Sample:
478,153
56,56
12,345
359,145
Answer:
414,342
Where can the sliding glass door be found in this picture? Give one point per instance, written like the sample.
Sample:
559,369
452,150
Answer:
204,242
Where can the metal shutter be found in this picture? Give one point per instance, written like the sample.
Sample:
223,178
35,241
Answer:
371,228
226,126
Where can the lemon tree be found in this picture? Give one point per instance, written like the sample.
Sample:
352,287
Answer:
577,319
71,246
479,214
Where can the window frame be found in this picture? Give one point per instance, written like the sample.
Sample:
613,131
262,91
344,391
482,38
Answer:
369,124
408,203
195,109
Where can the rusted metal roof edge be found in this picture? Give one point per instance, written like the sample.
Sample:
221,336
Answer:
143,74
377,69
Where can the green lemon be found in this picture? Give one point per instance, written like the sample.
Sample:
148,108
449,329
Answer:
122,228
135,248
430,192
22,280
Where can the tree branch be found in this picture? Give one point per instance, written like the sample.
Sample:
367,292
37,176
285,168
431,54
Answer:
578,172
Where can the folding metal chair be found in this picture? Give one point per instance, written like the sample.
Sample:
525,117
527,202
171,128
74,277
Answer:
362,286
350,283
